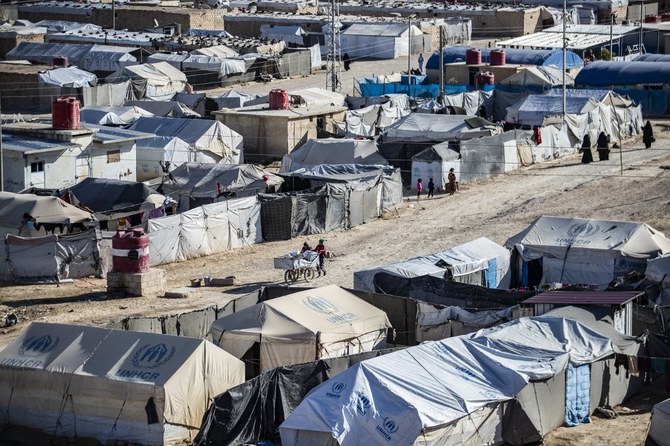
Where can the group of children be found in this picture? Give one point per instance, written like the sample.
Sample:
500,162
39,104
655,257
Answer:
451,186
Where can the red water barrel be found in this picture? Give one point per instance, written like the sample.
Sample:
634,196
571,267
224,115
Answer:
60,61
65,113
130,251
279,99
665,17
473,56
651,19
497,57
486,78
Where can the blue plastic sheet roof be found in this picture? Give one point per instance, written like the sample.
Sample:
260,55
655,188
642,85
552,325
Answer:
512,56
605,73
649,57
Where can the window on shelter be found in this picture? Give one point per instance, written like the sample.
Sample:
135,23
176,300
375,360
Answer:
113,156
37,166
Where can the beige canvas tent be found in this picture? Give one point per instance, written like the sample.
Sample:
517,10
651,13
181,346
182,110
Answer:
325,322
111,385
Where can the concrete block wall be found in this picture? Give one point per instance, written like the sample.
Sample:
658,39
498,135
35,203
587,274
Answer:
151,283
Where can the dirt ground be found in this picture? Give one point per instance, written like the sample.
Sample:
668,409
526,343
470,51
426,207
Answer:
496,208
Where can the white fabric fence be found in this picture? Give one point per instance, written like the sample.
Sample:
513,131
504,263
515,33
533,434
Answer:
203,231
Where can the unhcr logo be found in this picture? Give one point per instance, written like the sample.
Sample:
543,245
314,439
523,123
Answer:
336,390
320,305
387,429
152,356
582,230
362,403
38,345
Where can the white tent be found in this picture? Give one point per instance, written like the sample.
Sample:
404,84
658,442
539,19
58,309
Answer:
424,127
448,392
158,81
660,423
582,251
287,33
377,40
435,162
111,115
332,151
212,138
480,261
658,270
324,322
152,151
220,51
111,385
71,77
541,77
318,97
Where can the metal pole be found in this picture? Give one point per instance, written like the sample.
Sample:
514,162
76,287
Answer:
565,18
611,36
641,19
113,14
441,65
2,157
333,74
409,56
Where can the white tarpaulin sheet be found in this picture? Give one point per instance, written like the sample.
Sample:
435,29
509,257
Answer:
397,398
110,115
434,323
203,231
162,79
332,151
71,77
78,381
325,322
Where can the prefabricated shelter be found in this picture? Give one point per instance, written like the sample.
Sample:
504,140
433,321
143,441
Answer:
111,115
453,392
113,199
271,134
582,251
658,270
319,323
212,138
381,40
329,197
332,151
119,385
435,162
158,81
660,423
479,262
169,152
195,184
618,305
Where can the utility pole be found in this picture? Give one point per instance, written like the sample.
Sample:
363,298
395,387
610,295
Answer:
611,37
2,155
334,49
441,96
114,14
409,54
565,19
641,20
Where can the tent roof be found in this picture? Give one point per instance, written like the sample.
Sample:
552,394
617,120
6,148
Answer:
630,238
170,109
436,383
28,145
420,127
200,179
379,30
159,73
333,151
607,73
548,105
438,152
538,76
342,173
319,97
330,311
105,195
220,51
42,209
584,297
111,115
68,77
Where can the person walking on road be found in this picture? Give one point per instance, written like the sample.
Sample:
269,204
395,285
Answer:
321,250
421,60
648,135
419,188
452,181
431,188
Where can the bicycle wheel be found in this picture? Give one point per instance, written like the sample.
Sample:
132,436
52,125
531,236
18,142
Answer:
309,274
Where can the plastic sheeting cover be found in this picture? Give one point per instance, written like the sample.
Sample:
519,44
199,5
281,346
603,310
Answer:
71,77
332,151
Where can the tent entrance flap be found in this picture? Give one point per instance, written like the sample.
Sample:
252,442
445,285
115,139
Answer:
577,395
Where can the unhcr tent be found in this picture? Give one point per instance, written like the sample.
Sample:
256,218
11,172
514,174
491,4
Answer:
163,151
332,151
377,40
195,184
435,162
537,78
158,81
320,323
581,251
203,135
422,127
111,385
111,115
450,392
479,262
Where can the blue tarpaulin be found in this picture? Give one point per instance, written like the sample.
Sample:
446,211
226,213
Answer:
512,56
606,73
419,91
577,395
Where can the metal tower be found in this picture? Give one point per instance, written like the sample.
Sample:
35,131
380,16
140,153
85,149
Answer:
334,57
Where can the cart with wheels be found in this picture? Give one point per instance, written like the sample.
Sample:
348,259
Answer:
299,266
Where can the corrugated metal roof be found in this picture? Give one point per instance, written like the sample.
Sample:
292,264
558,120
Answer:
32,145
583,297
